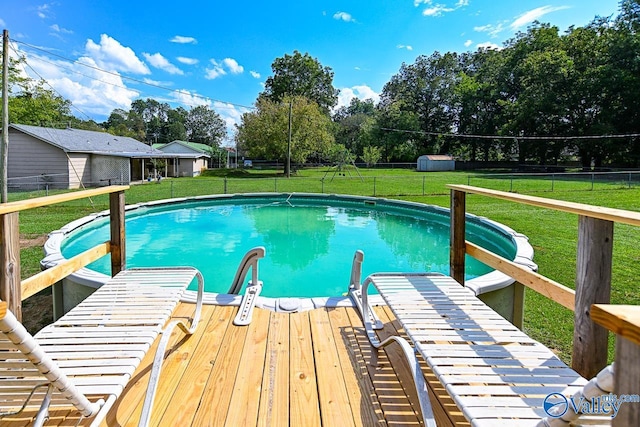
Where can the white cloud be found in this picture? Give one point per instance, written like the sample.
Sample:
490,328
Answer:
112,56
188,61
190,99
231,114
462,3
220,69
43,10
183,40
2,24
91,91
361,92
215,72
58,29
156,82
417,3
533,15
492,30
343,16
233,66
468,43
437,10
159,61
402,46
254,74
488,45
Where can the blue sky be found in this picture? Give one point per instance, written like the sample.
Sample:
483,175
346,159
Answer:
220,53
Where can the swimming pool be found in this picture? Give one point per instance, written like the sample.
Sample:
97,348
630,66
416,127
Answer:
310,239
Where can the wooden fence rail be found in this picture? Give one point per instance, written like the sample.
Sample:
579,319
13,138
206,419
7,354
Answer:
594,262
12,289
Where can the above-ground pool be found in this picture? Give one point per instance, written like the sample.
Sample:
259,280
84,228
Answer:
310,240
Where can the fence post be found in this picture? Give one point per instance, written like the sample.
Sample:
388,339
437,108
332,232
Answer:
423,179
225,185
374,186
10,286
553,180
172,189
593,286
322,185
118,253
275,185
593,176
457,235
511,184
629,179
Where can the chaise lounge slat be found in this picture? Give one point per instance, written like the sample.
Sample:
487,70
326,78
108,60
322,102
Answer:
495,373
90,353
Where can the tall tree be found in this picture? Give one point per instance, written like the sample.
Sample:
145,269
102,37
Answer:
264,133
426,89
205,126
301,75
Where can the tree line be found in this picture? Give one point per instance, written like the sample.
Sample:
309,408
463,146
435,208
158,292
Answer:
544,97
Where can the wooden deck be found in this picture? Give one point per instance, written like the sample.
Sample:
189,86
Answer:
304,369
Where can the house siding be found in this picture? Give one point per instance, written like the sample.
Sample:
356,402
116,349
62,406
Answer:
31,157
79,170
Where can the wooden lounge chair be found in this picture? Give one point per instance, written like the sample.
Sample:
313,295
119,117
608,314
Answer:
85,359
496,374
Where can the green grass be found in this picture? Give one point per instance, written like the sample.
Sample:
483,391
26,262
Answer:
552,234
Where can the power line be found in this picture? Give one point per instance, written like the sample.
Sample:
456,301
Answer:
522,137
177,91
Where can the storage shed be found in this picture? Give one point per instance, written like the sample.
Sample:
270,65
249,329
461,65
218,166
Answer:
436,162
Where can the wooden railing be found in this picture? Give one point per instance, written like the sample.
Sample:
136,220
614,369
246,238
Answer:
12,289
591,298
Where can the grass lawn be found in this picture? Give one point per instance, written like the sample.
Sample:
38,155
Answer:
552,234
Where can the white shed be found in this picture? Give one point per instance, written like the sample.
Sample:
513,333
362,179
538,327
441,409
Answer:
436,162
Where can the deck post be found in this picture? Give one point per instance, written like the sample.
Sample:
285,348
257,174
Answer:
10,286
118,253
627,378
457,236
593,286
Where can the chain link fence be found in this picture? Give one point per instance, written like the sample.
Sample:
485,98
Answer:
415,184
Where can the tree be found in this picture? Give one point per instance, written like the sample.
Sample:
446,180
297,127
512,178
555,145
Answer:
354,125
372,155
264,133
301,75
35,105
426,89
205,126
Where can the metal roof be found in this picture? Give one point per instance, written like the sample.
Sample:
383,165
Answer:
92,142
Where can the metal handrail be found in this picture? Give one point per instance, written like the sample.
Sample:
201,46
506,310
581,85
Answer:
250,260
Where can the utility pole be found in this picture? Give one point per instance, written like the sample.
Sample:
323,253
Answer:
4,145
289,142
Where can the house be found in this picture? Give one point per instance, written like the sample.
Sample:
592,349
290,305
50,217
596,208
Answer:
433,162
72,158
185,158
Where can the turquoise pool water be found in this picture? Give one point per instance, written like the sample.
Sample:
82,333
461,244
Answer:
309,242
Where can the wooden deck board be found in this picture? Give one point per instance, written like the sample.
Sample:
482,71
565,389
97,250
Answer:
312,368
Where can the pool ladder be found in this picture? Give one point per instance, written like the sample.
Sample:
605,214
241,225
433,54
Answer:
249,261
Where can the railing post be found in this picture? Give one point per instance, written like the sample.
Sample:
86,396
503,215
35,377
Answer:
10,287
118,252
627,377
593,286
457,236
